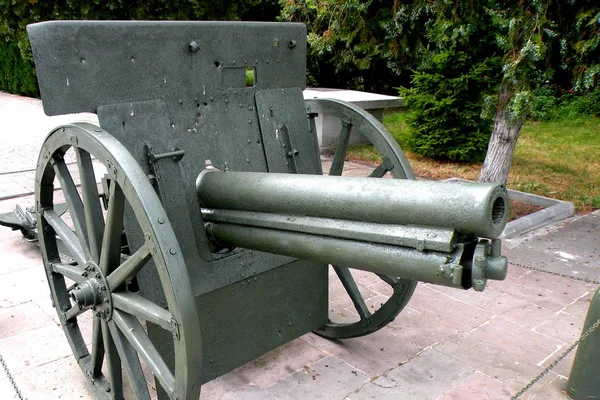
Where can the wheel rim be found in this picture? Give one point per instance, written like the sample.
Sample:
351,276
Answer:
93,282
394,163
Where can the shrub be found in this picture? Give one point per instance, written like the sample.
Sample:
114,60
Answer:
446,104
551,103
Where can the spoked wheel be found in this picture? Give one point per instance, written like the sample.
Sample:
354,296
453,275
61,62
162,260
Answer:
395,163
93,283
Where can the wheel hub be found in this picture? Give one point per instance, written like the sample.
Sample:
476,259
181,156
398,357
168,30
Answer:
93,292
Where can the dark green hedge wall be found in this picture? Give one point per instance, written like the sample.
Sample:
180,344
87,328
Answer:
17,73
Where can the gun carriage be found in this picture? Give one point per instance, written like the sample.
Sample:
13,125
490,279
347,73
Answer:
218,224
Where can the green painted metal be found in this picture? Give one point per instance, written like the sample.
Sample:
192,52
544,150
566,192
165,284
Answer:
82,65
416,237
101,272
583,383
173,95
394,164
434,267
474,209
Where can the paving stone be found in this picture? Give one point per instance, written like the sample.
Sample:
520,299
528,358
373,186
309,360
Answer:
455,313
548,261
372,391
430,375
59,379
476,299
16,254
563,327
373,354
230,384
382,288
551,391
30,349
588,224
563,368
512,338
280,363
249,393
339,296
6,390
579,258
478,386
45,304
548,291
22,318
546,379
340,315
22,286
365,278
327,379
581,306
524,313
419,328
503,366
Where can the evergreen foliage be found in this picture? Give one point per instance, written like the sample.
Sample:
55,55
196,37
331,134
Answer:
448,87
446,107
360,44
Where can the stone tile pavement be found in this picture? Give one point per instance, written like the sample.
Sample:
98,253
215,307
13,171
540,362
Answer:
23,128
446,344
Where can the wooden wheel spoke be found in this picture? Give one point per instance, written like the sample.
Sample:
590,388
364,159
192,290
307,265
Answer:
135,334
352,289
110,255
70,240
129,269
97,348
93,212
130,361
113,363
74,203
135,304
337,166
73,272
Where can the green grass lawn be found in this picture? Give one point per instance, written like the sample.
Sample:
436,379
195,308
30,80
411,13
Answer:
558,159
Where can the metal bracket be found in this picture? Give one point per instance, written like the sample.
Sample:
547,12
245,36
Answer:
174,328
175,155
487,263
289,149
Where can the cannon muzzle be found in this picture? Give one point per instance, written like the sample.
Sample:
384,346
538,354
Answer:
428,231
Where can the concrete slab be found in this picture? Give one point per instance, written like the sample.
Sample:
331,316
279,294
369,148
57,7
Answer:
329,126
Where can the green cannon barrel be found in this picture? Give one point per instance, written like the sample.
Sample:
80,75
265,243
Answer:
473,209
425,231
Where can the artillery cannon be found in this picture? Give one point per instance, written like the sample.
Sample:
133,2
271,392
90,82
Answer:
195,267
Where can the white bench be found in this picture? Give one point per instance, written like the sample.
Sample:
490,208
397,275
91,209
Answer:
328,127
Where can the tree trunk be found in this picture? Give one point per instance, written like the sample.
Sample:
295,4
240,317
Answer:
502,144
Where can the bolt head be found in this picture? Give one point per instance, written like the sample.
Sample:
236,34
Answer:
194,47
